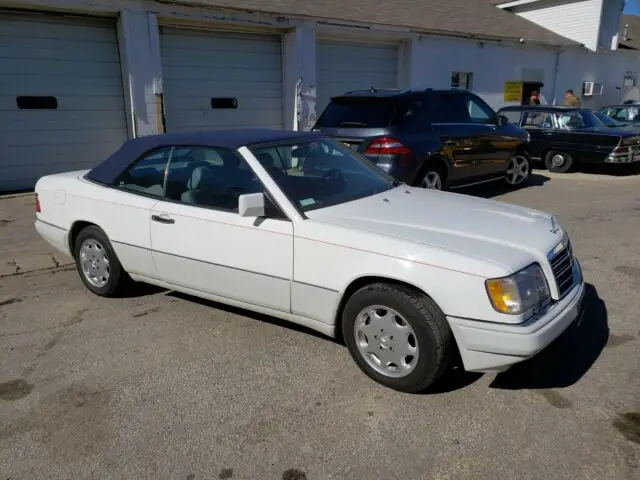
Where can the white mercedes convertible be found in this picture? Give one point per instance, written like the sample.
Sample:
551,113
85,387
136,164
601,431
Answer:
298,226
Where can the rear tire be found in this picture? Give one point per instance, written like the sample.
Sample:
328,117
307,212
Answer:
397,336
97,263
433,177
558,162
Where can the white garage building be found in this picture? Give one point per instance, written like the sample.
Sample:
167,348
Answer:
77,77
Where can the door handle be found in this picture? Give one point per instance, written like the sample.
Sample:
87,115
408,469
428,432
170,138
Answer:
548,133
162,219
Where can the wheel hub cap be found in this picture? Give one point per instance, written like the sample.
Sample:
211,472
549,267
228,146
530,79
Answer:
386,341
94,263
518,170
557,160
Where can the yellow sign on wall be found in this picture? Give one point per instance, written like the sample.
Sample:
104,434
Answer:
513,92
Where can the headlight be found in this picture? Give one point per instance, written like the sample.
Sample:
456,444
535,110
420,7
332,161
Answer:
520,292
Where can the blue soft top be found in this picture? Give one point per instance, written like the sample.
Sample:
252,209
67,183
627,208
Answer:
107,171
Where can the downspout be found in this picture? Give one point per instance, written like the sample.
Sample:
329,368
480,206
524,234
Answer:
557,75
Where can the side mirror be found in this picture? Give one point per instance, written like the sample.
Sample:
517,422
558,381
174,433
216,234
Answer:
502,120
251,205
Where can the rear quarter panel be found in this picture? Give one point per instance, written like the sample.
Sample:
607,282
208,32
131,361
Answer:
69,198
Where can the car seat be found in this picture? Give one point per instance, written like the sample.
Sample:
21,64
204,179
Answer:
198,186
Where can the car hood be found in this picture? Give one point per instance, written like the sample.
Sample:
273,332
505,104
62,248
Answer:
506,235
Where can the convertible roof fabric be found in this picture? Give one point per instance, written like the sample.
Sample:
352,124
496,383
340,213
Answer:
107,171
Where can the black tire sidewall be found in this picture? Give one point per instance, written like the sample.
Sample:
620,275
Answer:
432,358
566,166
116,272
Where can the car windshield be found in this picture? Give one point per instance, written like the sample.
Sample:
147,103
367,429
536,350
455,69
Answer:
622,114
321,173
607,120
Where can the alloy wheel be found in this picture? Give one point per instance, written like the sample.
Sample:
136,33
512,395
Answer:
432,181
94,263
518,170
386,341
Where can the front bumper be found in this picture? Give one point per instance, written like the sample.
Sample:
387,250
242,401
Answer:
487,347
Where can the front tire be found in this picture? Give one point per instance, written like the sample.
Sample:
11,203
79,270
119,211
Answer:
97,263
558,162
397,336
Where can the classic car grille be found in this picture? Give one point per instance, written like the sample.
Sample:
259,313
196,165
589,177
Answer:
562,266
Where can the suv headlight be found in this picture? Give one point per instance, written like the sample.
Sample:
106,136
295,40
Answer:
520,292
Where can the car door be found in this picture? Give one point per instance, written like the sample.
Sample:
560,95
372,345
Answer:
543,130
124,212
199,240
460,138
497,143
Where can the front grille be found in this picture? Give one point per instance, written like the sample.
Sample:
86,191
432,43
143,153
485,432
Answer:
562,266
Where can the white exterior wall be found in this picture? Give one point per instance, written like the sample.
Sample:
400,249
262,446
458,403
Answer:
609,68
577,20
610,24
492,65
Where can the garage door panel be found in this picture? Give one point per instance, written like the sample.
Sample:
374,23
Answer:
198,66
233,88
260,104
346,66
184,121
76,61
60,121
217,42
57,29
80,53
61,67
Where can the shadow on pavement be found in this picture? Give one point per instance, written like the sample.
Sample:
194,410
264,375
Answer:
497,188
565,361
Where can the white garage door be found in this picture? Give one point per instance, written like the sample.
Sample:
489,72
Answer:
204,72
61,96
342,67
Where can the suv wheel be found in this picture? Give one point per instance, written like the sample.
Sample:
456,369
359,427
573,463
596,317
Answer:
518,170
433,178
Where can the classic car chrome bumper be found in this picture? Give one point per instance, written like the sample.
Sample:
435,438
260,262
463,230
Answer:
628,156
487,347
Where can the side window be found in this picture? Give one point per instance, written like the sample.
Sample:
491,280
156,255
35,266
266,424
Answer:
571,121
450,108
538,120
210,177
147,174
479,112
513,116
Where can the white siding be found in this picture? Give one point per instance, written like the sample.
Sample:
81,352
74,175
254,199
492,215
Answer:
343,66
77,62
492,65
577,20
200,65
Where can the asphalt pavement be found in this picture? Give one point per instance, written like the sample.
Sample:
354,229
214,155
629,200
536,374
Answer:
162,385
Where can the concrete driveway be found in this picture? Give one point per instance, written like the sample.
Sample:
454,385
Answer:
161,385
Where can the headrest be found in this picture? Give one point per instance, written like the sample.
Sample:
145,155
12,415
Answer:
198,176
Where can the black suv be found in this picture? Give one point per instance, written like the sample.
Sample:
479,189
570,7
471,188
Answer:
436,139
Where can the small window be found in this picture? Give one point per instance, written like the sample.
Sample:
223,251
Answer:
479,112
147,174
210,177
513,116
463,80
37,103
629,81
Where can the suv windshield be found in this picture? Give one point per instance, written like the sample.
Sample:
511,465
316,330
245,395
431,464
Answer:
321,173
368,112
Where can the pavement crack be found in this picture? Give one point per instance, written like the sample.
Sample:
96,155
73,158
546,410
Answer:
55,261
